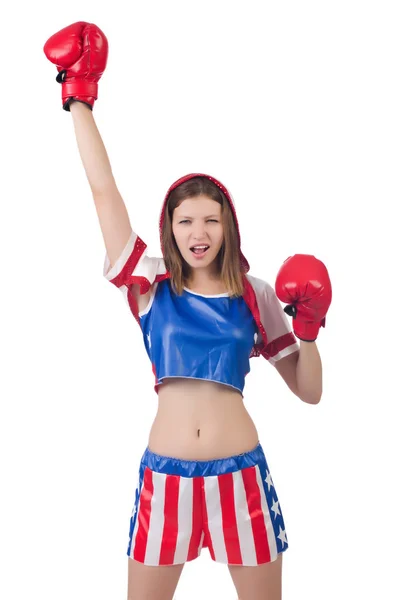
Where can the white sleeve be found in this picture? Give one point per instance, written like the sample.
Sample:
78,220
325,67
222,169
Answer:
134,266
281,340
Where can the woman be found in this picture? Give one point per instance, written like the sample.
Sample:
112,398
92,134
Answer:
203,478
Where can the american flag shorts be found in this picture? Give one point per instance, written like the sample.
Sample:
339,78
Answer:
228,505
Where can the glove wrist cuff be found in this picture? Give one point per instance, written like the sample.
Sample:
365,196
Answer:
79,87
306,331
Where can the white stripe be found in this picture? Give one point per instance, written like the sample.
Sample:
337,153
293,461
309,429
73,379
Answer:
283,353
214,513
244,526
185,519
156,524
268,520
149,267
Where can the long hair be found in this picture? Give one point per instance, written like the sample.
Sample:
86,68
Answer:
228,257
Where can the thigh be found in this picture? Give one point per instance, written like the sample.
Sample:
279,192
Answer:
152,583
262,582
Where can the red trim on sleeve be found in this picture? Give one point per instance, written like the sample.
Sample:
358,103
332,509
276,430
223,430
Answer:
280,343
250,298
125,276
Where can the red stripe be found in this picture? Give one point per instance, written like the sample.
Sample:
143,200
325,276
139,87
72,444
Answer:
280,343
251,300
196,519
125,276
170,529
259,532
144,516
229,521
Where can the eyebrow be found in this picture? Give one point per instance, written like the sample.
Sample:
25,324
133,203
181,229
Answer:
207,217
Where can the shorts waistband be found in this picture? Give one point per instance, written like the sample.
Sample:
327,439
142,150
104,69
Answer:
202,468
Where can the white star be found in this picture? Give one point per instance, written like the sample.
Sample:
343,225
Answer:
133,511
269,480
148,337
276,508
282,536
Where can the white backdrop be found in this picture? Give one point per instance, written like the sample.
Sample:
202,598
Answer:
292,105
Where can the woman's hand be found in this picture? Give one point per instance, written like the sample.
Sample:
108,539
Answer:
80,53
304,284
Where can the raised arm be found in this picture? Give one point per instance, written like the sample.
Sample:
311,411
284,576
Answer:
110,207
80,52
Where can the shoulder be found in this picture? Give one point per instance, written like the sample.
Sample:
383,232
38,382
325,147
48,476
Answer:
260,285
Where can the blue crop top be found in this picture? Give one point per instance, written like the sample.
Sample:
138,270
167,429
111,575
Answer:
198,336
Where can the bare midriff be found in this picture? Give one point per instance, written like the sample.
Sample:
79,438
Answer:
201,420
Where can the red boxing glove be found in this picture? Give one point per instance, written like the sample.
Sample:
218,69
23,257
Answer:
304,284
80,53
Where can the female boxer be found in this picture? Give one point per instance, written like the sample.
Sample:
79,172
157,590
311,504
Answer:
203,480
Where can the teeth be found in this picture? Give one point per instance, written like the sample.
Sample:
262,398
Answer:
200,246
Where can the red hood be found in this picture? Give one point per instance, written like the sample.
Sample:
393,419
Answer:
244,263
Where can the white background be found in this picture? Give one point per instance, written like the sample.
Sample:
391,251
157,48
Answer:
292,105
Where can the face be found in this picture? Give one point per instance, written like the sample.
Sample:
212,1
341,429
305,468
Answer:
198,221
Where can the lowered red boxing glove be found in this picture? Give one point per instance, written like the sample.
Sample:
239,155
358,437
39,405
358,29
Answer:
304,284
80,53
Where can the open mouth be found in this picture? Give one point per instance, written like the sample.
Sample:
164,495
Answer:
199,250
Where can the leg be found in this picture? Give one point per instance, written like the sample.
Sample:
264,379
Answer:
262,582
152,583
165,527
244,525
242,517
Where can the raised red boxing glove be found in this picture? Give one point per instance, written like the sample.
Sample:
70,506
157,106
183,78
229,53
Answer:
80,53
304,285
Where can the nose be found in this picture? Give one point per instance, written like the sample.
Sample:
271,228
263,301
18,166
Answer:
199,232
